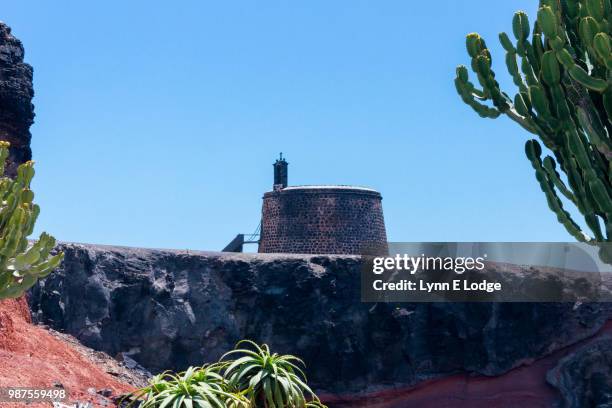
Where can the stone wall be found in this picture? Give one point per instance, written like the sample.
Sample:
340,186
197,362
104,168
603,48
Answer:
170,309
16,92
325,220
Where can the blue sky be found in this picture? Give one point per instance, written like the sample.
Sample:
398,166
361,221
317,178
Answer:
157,122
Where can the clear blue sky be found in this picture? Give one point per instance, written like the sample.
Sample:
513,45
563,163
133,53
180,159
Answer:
157,122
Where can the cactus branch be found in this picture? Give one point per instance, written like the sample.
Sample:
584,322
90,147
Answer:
562,68
21,263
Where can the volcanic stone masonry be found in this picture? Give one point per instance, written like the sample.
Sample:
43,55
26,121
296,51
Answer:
16,92
321,219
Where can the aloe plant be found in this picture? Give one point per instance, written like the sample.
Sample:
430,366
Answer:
268,380
21,263
197,387
563,71
256,379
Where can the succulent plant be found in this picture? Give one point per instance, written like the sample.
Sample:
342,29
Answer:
197,387
256,379
268,380
21,262
563,71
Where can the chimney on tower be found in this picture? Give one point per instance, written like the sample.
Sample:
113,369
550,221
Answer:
280,173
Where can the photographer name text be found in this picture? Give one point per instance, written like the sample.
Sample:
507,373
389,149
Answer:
413,264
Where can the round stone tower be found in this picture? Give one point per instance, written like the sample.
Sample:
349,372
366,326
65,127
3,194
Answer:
321,219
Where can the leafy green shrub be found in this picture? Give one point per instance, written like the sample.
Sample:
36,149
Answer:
256,379
21,264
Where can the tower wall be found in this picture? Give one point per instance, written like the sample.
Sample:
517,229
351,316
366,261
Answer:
322,220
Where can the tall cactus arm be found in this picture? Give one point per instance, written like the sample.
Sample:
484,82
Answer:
511,62
533,152
469,93
551,169
598,135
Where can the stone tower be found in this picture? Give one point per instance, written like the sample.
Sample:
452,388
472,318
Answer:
321,219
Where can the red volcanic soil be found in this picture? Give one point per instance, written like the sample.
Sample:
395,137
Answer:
31,356
524,386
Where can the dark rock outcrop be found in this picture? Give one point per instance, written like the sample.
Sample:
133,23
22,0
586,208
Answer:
584,377
169,309
16,93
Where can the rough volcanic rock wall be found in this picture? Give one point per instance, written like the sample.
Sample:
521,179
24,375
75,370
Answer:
170,309
584,377
16,92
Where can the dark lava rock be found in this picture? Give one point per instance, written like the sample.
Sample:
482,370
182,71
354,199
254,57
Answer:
170,309
584,377
16,92
105,392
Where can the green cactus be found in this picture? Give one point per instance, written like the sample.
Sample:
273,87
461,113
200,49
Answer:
21,263
563,71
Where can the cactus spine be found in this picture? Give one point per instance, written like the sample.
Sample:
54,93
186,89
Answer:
563,71
21,263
